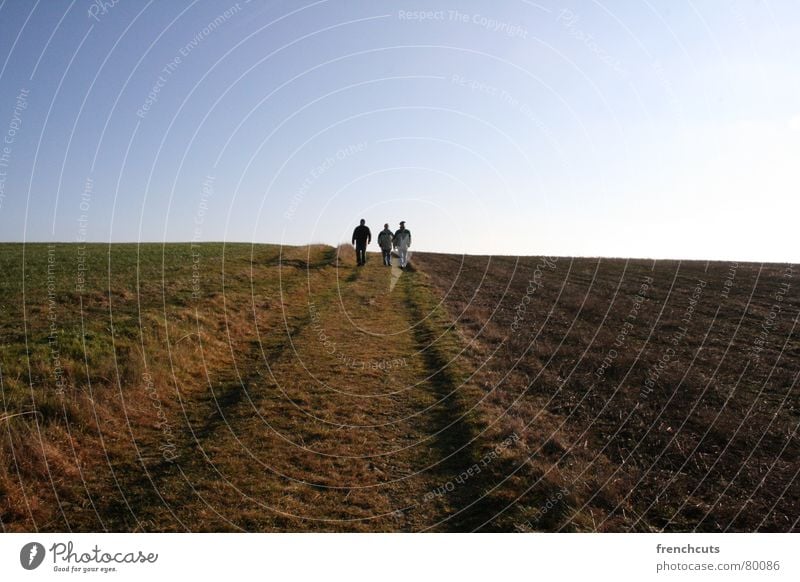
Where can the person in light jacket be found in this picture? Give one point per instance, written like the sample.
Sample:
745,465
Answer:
402,242
385,239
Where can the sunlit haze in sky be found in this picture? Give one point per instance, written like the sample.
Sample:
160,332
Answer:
664,129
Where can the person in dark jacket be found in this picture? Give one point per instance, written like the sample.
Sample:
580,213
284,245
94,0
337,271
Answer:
385,239
361,238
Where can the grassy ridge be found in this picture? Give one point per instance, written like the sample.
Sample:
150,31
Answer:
211,388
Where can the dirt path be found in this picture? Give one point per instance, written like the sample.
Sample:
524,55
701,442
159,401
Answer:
341,410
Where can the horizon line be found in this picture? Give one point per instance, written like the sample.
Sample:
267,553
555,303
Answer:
609,257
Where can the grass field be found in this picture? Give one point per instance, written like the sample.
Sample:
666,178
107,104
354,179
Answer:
237,387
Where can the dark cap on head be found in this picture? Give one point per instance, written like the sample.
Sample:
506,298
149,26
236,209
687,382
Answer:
402,222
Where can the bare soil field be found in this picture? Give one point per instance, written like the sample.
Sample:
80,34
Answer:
652,395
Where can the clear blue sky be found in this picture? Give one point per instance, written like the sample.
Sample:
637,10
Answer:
642,129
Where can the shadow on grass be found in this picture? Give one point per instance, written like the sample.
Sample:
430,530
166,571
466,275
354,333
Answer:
451,424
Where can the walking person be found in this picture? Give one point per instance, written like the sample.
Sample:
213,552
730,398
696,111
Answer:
361,238
385,239
402,242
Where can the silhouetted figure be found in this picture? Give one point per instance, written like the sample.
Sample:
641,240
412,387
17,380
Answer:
402,242
361,238
385,239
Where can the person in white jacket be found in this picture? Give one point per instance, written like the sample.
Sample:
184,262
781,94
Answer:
402,242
